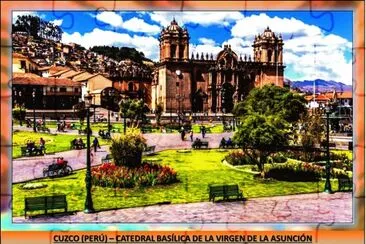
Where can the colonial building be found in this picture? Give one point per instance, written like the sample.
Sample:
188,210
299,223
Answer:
204,84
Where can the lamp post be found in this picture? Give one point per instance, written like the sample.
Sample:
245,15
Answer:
124,111
178,73
34,110
88,208
327,187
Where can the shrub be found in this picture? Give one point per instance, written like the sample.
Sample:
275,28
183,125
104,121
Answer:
294,171
341,161
127,149
110,175
237,157
278,158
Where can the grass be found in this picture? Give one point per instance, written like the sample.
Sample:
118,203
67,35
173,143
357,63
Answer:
54,143
195,171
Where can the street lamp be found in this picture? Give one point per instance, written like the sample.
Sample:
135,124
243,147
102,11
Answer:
88,201
327,187
34,110
124,111
178,73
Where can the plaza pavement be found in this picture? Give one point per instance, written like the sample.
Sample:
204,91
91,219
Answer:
28,168
302,208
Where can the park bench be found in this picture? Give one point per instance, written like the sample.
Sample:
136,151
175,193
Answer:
107,159
146,130
45,203
74,146
149,150
75,127
200,144
345,184
224,191
43,129
228,128
83,131
25,152
115,130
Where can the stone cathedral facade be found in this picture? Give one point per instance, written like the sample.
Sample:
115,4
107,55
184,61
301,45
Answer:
200,83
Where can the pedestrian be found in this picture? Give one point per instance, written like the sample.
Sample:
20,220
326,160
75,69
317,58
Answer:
183,134
203,131
191,135
96,144
42,144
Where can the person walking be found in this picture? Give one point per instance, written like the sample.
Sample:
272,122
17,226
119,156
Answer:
96,144
191,135
183,134
42,144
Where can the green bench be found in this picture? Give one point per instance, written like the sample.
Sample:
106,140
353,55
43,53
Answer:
74,146
107,159
45,203
115,130
25,152
224,191
345,184
200,144
43,129
145,130
149,150
75,127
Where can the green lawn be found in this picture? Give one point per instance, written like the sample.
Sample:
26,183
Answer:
54,143
195,171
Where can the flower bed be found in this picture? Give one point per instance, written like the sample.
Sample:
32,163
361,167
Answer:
294,171
237,157
110,175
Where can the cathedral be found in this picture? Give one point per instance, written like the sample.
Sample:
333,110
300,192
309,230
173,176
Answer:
202,84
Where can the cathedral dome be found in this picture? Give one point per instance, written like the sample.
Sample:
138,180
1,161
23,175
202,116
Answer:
268,34
174,27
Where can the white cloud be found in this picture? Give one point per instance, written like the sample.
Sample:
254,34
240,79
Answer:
57,22
134,24
110,17
146,44
207,41
139,25
195,17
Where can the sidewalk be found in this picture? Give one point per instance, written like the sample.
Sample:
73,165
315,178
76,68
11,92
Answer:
303,208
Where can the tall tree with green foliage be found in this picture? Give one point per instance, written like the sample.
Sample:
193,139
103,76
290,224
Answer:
158,112
271,99
135,111
19,113
267,115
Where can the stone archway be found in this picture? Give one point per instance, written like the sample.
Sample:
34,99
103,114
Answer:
198,100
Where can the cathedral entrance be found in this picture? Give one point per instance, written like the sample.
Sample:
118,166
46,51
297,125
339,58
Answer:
199,98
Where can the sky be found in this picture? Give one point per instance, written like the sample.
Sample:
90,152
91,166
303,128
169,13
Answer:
317,45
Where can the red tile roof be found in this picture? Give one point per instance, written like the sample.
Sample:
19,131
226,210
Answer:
18,55
32,79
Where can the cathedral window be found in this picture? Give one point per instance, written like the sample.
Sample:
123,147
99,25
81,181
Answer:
173,49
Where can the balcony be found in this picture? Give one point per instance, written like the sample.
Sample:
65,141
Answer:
70,93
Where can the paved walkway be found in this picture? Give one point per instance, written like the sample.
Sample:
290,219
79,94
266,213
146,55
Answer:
309,208
28,168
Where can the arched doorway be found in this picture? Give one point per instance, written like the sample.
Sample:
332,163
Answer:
199,98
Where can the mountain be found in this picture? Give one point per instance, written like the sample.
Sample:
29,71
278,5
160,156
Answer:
320,85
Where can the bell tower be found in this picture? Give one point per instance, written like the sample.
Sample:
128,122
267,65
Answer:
174,43
268,50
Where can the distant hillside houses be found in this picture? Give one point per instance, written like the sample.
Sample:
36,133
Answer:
41,56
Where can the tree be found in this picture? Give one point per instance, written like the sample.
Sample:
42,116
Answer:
261,135
127,149
310,132
135,110
158,112
266,116
271,99
19,113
